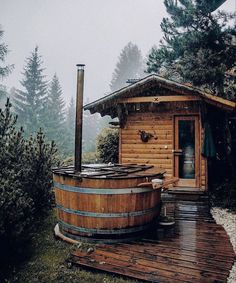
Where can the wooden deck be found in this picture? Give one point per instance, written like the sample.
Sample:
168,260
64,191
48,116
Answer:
198,250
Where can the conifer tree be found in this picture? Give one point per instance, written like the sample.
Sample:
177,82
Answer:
68,148
30,102
40,156
197,43
16,207
54,125
4,69
25,183
129,66
3,95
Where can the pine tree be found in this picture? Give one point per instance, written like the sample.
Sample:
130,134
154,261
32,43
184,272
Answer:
5,70
40,156
16,207
129,66
230,84
25,184
68,148
3,95
54,125
197,43
30,102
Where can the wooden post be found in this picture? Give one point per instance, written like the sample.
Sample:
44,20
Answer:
79,117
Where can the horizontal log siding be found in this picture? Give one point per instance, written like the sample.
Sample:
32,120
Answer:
154,152
158,150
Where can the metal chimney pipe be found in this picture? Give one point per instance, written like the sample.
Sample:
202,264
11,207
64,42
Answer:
79,117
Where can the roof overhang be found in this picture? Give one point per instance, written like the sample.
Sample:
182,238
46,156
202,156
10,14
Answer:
107,104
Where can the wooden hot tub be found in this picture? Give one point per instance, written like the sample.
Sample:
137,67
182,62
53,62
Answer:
105,202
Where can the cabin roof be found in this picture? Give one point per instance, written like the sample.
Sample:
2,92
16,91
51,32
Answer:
107,104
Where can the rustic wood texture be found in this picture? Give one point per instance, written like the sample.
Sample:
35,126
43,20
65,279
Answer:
198,251
158,99
88,210
158,151
107,204
128,181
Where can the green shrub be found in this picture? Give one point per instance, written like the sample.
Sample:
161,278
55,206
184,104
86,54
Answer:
39,157
25,183
108,145
224,195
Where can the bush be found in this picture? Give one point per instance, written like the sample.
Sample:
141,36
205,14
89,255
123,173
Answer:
108,145
25,182
39,157
224,195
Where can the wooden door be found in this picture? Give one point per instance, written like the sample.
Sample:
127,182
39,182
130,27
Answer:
187,151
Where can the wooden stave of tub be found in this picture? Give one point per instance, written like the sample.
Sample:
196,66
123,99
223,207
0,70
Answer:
109,210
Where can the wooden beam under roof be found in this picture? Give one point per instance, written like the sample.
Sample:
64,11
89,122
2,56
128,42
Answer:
158,99
209,98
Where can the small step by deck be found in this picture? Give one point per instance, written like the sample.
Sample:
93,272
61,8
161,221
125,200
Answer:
185,193
199,251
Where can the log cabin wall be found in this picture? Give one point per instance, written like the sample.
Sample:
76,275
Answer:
158,120
157,105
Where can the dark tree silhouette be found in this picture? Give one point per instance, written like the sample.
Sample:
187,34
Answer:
198,45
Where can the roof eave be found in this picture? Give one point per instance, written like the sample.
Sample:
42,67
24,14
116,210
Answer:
108,101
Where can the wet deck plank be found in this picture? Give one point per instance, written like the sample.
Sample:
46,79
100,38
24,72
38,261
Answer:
199,250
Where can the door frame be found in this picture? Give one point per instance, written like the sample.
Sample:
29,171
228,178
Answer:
195,183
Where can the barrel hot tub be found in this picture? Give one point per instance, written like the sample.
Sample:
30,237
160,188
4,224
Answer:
105,203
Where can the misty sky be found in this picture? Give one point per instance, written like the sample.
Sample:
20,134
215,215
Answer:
79,31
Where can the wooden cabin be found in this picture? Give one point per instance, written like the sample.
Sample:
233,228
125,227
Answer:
164,123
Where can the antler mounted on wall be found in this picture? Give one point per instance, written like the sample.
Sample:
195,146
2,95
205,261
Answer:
145,137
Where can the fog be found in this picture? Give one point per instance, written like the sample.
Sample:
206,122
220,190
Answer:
79,31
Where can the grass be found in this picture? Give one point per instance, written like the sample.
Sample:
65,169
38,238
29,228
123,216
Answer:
47,263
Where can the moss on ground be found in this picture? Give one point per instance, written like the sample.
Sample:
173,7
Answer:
47,263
